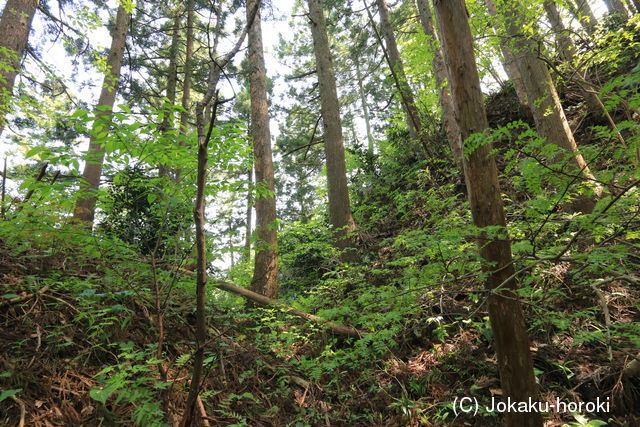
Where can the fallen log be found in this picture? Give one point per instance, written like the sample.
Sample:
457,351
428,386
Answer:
268,302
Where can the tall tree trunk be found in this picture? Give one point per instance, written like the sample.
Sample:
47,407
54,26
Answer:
15,25
265,274
505,313
186,82
247,233
365,106
408,102
450,125
509,63
172,79
568,51
581,10
339,205
85,207
616,7
548,114
565,45
186,85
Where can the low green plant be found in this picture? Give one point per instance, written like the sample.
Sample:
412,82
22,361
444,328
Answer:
132,381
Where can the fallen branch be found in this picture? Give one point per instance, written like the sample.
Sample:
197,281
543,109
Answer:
23,410
17,300
607,317
301,382
203,412
268,302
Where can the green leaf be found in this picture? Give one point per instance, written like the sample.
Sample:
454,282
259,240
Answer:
33,152
102,394
8,393
10,296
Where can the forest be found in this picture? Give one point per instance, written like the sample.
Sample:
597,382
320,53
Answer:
320,213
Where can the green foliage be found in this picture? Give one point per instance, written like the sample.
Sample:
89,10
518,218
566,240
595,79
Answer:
307,254
582,421
139,212
131,380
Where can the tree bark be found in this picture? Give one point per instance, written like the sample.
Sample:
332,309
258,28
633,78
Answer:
15,25
509,63
339,205
450,125
265,274
249,212
505,313
85,207
548,114
412,113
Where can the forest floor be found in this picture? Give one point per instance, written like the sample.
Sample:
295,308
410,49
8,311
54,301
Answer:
55,345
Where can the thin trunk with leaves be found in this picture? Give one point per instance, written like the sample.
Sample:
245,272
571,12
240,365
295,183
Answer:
4,188
204,134
85,207
505,312
201,266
